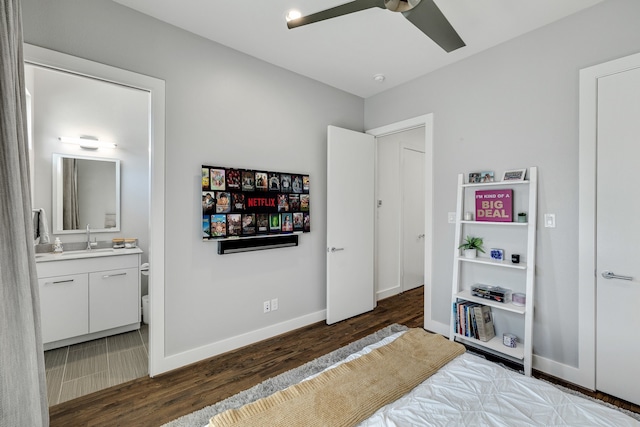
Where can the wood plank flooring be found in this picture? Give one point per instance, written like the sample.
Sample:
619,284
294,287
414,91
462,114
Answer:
155,401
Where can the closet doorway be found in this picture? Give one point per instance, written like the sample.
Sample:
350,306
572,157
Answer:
403,206
617,271
393,200
609,130
412,211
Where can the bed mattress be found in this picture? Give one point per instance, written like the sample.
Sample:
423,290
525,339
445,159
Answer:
472,391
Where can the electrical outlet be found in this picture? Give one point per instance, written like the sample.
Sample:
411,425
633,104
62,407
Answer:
452,217
274,304
267,306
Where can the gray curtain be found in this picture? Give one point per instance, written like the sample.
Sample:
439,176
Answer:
70,209
23,393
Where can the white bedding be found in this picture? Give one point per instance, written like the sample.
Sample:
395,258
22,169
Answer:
471,391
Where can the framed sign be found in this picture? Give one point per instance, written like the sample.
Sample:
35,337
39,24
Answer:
494,205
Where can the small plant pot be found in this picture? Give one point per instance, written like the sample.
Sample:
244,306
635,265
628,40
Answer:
522,217
470,253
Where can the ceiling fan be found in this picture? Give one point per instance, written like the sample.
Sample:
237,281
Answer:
424,14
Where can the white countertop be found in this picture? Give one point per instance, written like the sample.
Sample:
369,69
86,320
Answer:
93,253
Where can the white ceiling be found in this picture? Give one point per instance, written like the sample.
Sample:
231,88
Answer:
346,52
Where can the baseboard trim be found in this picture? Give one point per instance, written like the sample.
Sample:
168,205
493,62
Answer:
559,370
550,367
564,372
437,327
180,360
386,293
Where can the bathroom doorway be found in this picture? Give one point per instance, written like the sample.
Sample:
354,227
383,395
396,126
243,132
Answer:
70,103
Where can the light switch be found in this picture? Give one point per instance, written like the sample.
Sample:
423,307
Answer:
452,217
550,220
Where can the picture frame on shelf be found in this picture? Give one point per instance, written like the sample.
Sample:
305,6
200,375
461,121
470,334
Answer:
497,254
487,176
481,177
474,177
514,175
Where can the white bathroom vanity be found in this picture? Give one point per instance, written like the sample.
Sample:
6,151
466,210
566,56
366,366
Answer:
88,294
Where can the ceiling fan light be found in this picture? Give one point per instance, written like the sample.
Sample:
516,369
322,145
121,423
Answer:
292,14
400,5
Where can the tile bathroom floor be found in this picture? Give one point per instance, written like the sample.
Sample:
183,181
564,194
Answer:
80,369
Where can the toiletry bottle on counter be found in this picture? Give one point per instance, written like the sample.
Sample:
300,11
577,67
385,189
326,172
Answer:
57,246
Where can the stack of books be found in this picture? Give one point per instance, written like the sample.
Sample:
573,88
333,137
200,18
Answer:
473,320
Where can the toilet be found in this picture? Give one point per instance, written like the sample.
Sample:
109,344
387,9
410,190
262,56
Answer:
145,309
146,314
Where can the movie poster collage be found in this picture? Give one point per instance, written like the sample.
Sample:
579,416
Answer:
242,203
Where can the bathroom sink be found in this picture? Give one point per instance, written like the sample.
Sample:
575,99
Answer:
103,250
83,253
87,252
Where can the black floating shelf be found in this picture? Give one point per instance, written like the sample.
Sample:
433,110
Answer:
232,246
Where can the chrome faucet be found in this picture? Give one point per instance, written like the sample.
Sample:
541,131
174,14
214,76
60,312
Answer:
88,238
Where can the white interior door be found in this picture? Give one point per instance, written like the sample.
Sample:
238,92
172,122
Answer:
350,223
618,225
413,233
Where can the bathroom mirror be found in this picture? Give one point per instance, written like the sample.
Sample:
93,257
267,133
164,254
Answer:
86,190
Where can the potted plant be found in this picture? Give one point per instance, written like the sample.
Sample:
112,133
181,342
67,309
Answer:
471,246
522,217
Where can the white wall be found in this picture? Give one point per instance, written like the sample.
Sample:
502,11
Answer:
388,216
514,106
222,108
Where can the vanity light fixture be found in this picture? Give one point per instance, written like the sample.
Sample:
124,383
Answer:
87,143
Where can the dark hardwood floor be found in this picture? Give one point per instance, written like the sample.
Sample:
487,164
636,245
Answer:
155,401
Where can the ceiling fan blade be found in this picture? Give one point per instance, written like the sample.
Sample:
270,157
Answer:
344,9
431,21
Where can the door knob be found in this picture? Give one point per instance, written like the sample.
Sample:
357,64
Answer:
610,275
421,236
336,249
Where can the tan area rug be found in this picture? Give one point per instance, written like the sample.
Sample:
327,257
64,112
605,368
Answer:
201,417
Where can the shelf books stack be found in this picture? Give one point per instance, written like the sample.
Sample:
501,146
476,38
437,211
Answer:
473,320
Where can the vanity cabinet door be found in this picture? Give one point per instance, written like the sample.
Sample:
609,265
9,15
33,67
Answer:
64,308
114,298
